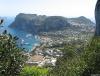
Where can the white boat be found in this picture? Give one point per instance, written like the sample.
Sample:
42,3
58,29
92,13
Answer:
22,41
26,43
28,35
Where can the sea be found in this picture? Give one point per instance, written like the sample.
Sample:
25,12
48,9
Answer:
26,40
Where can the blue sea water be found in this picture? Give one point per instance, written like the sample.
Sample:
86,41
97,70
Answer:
26,39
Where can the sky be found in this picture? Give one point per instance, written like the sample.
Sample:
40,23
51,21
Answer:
67,8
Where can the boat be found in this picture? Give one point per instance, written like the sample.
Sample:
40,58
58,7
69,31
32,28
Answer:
28,35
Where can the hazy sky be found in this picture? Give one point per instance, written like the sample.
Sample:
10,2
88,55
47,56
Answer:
67,8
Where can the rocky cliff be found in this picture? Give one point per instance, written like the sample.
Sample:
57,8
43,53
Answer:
97,17
39,23
35,24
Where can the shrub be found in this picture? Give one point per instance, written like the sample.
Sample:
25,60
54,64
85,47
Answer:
33,71
92,57
11,57
85,63
71,64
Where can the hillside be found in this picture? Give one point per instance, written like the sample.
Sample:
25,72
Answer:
81,20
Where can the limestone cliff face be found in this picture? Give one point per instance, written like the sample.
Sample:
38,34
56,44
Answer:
28,22
97,17
39,23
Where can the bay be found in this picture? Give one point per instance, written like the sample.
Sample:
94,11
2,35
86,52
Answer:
26,40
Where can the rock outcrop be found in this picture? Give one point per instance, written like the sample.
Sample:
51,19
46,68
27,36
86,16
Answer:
97,17
1,21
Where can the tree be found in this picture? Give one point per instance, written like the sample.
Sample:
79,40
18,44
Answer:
11,56
70,64
92,57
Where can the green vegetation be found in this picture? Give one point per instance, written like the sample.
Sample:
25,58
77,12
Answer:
11,57
91,56
77,59
71,64
74,63
34,71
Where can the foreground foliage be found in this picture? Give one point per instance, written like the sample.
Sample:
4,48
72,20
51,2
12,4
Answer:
92,57
71,64
74,63
11,57
34,71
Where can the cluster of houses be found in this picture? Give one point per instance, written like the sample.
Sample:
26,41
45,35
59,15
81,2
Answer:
41,56
39,60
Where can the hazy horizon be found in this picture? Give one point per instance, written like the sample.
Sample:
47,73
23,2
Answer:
66,8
